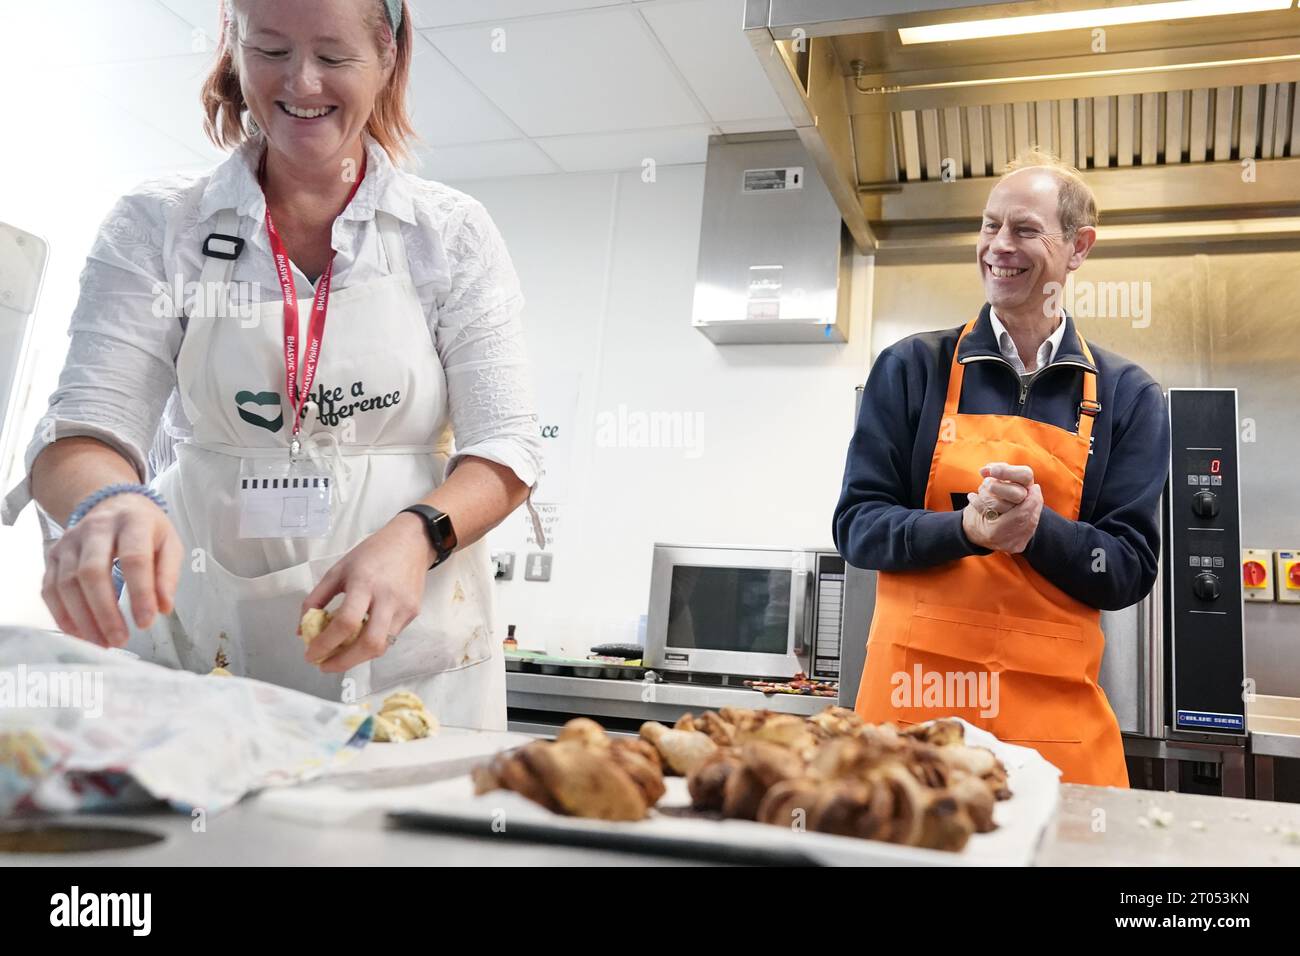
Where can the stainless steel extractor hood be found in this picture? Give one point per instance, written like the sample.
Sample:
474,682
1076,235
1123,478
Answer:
776,264
1185,128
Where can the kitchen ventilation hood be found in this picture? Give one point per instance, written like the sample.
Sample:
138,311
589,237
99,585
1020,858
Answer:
1185,128
776,265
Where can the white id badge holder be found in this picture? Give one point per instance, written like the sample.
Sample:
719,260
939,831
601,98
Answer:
284,498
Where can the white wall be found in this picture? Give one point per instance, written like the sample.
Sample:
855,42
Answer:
65,207
608,264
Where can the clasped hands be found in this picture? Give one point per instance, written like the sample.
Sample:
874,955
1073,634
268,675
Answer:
1003,514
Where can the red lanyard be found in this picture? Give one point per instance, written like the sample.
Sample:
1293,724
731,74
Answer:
315,328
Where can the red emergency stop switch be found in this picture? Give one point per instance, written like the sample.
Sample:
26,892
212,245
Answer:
1293,575
1253,574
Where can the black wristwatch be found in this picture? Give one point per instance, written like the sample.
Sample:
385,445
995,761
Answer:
437,525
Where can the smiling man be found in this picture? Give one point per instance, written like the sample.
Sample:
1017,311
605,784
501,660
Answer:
1004,478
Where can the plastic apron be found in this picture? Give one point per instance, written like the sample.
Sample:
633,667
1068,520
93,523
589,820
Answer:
968,620
239,600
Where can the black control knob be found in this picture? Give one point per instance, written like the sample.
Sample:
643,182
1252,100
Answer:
1205,504
1206,586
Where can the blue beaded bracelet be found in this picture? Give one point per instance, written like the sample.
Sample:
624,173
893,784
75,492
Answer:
108,491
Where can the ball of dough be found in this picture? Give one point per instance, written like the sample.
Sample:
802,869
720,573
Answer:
403,717
316,620
313,622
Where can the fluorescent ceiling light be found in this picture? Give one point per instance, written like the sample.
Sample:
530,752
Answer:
1083,19
1081,74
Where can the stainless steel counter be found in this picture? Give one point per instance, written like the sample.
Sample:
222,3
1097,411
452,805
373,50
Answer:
1095,827
1103,826
1274,724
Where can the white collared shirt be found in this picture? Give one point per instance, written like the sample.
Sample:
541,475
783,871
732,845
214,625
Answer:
119,378
1007,345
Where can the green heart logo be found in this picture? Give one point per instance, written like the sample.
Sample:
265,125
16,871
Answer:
252,417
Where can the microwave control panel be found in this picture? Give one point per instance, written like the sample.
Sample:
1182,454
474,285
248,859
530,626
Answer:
828,617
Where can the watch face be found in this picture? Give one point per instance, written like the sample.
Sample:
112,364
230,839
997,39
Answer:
444,532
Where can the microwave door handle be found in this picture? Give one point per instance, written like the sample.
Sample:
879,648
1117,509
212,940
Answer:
798,603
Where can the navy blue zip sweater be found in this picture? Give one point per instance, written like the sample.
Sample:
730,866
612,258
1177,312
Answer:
881,521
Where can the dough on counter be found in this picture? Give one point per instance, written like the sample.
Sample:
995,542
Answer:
403,717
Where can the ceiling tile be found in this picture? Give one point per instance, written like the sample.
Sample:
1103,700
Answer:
89,31
517,157
163,94
203,14
90,138
705,40
585,73
438,13
628,150
446,109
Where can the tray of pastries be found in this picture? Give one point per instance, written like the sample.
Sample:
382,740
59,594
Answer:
830,787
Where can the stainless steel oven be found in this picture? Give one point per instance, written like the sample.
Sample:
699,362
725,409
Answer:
749,612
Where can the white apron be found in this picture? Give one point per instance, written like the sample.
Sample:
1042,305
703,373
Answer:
239,599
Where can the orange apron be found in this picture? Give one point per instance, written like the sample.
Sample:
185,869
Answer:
986,638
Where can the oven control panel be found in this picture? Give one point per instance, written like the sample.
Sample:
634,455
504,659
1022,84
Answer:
1203,554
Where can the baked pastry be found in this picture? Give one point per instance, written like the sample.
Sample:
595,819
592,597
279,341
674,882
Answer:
831,773
711,724
938,732
513,770
587,783
835,722
707,782
786,730
583,773
682,750
889,805
762,766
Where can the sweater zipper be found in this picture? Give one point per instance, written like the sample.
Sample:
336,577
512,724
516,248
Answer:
1025,384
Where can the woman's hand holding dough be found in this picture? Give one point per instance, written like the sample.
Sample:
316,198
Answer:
382,580
78,585
315,621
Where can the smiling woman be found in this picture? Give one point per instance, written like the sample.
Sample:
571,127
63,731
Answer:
285,41
281,444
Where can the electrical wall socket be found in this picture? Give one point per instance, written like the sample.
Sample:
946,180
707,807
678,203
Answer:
505,565
537,567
